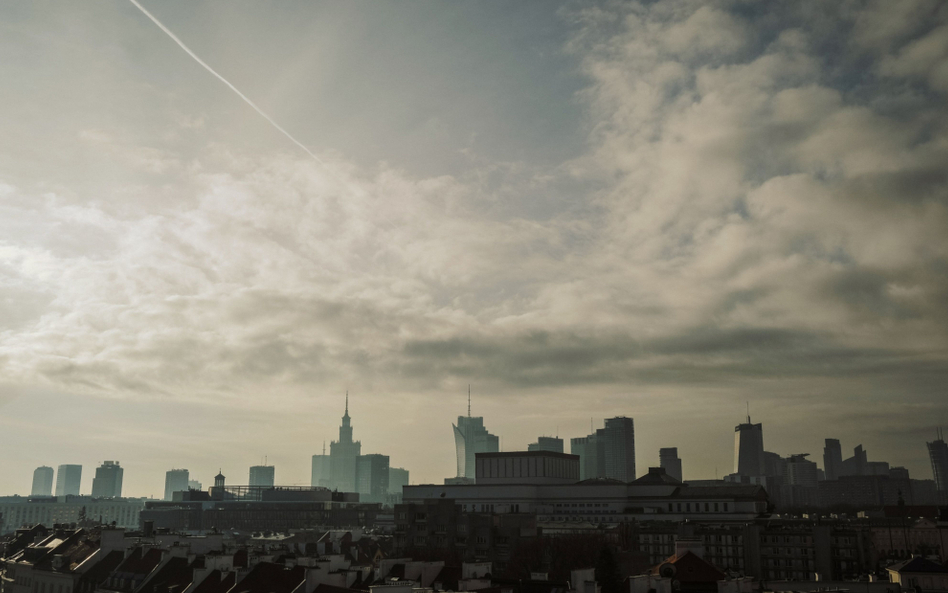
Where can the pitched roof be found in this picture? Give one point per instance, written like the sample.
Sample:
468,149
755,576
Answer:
175,572
918,564
267,577
691,568
216,582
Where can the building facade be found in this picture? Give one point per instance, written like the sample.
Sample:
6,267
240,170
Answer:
262,475
938,453
107,482
372,474
471,438
342,456
749,449
176,480
42,481
553,444
668,459
68,480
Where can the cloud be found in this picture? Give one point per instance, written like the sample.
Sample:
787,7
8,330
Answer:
757,212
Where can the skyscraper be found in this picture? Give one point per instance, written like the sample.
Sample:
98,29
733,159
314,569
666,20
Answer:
832,459
577,446
554,444
397,477
938,452
322,472
372,477
176,480
749,449
668,459
470,437
261,475
42,481
107,482
798,471
342,456
618,438
68,479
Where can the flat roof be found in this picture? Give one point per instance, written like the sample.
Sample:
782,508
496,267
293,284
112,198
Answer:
506,454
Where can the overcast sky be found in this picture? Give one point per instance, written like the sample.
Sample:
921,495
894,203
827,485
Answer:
659,210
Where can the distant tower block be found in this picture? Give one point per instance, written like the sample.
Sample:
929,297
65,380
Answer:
668,459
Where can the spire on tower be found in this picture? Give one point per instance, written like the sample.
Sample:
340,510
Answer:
468,400
347,402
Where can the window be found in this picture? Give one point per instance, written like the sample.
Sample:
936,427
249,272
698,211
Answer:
725,507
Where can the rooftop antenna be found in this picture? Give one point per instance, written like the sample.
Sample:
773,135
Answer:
468,400
347,402
748,412
324,447
591,425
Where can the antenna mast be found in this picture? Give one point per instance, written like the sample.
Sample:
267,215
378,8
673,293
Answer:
468,400
748,412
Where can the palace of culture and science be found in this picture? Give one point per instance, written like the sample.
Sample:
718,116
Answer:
345,469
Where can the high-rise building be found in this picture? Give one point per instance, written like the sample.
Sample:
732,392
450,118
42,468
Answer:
261,475
554,444
618,438
68,479
372,477
107,482
470,438
342,456
857,465
668,459
195,485
832,459
42,481
938,452
798,471
577,446
322,470
176,480
749,449
397,477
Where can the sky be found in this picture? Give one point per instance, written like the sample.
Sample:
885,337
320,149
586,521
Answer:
665,210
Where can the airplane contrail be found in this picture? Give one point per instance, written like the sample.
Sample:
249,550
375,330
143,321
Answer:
232,87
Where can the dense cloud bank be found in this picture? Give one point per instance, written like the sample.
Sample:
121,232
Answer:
764,197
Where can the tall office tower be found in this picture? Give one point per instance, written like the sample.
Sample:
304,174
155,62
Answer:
618,438
938,452
176,480
261,475
749,449
668,459
322,470
832,459
195,485
470,437
397,477
577,446
798,471
857,465
42,481
68,478
372,477
592,454
107,482
554,444
342,456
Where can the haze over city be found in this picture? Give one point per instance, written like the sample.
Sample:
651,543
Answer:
667,211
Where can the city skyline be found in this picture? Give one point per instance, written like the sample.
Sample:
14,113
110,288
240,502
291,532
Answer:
652,458
217,219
